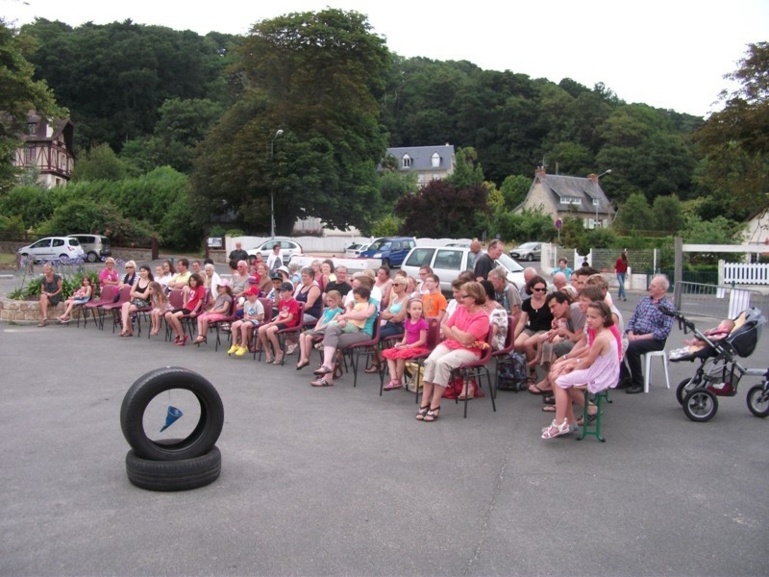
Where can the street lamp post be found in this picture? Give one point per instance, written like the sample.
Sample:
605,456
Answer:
597,178
272,188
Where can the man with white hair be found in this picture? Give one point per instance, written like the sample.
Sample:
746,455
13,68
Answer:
647,331
238,253
505,292
560,281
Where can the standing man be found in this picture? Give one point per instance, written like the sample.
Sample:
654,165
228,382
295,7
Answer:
486,262
647,330
275,260
238,254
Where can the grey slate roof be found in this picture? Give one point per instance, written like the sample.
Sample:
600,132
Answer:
421,156
576,187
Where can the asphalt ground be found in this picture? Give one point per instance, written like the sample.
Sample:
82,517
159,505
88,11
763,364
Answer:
339,481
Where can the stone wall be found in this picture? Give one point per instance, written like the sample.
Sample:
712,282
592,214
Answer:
28,312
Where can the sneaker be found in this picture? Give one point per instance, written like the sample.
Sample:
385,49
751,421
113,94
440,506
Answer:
241,351
233,349
291,348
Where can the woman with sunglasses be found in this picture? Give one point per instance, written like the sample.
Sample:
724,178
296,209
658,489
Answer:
536,318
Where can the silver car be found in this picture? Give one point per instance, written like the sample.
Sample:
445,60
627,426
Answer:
288,248
529,251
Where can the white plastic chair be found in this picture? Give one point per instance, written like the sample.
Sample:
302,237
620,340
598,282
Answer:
647,362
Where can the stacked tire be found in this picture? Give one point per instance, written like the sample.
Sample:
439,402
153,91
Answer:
172,464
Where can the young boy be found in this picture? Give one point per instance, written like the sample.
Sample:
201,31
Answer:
253,314
433,301
360,296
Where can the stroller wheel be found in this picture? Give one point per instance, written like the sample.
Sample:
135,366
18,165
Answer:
700,405
684,388
758,400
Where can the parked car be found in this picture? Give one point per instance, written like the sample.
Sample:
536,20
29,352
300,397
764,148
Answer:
95,246
288,248
527,251
354,250
53,247
391,249
448,261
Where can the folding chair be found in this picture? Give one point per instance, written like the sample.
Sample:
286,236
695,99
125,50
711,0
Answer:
433,338
106,297
176,300
475,370
366,348
114,308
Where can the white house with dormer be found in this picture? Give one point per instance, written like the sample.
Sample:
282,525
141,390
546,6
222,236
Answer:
429,162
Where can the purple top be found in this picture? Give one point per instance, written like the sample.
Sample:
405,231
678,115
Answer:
412,330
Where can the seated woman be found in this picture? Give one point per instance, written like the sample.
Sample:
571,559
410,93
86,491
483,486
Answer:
333,308
384,283
108,276
309,293
565,330
219,312
212,280
287,318
464,336
336,337
191,308
535,318
80,297
595,370
139,299
50,292
130,277
253,315
392,317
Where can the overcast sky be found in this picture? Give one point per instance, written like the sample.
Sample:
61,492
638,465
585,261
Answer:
665,53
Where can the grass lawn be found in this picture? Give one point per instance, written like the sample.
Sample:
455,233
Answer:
7,259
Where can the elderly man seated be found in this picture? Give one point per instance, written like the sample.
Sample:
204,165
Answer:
505,292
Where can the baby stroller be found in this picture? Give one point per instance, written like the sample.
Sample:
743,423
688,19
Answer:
720,371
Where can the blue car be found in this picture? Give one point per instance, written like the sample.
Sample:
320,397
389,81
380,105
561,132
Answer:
390,249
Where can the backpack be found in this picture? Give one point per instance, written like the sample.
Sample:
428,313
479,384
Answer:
512,374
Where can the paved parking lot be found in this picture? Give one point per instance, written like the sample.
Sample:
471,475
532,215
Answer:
340,481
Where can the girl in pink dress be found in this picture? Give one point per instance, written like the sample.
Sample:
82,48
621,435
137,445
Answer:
596,370
414,344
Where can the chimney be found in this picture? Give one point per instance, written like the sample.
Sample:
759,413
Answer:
593,177
540,173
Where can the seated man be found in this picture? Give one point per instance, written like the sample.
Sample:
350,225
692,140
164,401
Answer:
647,331
506,293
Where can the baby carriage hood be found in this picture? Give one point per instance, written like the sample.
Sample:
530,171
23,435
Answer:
745,337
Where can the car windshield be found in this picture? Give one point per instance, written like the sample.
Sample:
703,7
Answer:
509,263
377,244
528,245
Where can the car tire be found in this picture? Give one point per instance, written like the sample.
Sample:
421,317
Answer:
92,257
530,257
180,475
145,389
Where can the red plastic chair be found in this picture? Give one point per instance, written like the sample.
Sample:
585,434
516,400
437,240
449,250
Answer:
106,296
475,370
433,338
114,308
366,348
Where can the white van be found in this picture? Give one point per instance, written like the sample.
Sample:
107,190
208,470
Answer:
448,261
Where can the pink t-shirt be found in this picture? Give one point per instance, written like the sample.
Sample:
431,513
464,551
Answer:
106,274
412,330
477,324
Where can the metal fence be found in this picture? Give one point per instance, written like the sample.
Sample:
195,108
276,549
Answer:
716,301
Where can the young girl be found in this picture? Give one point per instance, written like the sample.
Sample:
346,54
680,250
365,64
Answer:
334,302
288,318
160,306
414,344
80,297
253,315
219,312
191,308
596,369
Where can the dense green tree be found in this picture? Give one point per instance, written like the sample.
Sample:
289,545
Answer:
525,226
30,204
667,212
514,189
100,163
316,77
635,214
467,170
19,93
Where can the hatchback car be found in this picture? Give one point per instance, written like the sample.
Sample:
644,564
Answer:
527,251
354,249
288,248
95,246
390,249
53,247
447,262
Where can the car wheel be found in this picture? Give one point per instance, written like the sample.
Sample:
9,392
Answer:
63,257
529,257
92,257
159,390
174,475
758,400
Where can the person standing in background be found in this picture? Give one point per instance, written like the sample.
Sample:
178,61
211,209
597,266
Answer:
620,268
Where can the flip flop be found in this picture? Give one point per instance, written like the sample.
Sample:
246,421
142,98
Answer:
548,409
321,383
535,390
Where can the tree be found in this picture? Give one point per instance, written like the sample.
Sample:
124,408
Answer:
100,163
441,210
514,189
635,214
467,170
19,94
668,215
316,77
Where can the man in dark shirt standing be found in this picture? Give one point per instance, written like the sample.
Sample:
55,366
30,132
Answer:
485,263
238,254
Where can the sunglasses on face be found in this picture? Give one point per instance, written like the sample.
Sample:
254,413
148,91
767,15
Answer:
539,289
